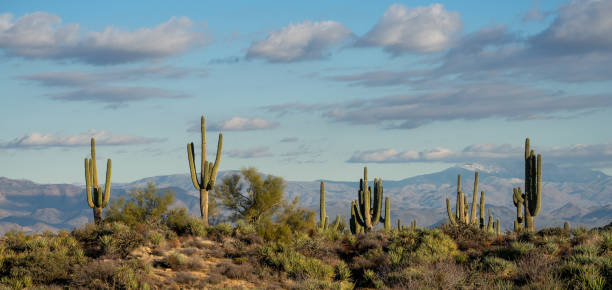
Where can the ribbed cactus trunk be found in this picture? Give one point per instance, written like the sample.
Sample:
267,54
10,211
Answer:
208,171
533,186
96,198
322,212
387,219
474,197
462,209
518,200
482,210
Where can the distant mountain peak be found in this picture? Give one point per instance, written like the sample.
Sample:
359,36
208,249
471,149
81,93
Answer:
481,167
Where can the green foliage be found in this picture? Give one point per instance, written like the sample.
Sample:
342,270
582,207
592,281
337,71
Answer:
182,223
498,266
39,259
145,205
293,263
255,203
422,245
343,272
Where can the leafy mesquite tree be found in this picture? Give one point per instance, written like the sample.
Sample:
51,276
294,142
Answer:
249,196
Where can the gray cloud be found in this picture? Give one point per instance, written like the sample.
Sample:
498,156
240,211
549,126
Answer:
117,95
581,155
256,152
297,42
461,102
41,35
418,30
40,141
289,139
75,78
534,14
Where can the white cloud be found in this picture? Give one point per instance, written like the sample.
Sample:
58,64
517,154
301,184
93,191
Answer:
581,155
37,140
256,152
243,124
420,30
302,41
41,35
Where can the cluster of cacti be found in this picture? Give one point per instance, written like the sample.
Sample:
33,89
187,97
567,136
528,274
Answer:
531,200
96,198
462,208
366,210
208,172
413,225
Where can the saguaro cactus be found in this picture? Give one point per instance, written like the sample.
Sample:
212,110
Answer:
208,172
96,198
533,186
518,200
322,213
566,226
356,228
367,211
482,210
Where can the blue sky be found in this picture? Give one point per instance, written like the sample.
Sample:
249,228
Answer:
303,90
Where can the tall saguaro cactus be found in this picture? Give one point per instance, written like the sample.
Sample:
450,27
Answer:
208,172
96,198
322,213
533,186
368,208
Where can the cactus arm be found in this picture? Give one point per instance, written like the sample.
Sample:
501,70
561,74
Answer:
387,218
482,207
537,195
399,224
451,218
203,164
194,177
378,193
473,216
88,182
358,218
107,185
215,168
92,163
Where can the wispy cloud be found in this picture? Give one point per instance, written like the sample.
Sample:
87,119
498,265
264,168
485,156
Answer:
256,152
418,30
78,79
41,35
237,124
302,41
37,140
580,155
461,102
115,96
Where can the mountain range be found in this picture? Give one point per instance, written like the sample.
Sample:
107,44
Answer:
580,196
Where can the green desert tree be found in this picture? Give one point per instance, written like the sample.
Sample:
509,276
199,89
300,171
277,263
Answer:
145,205
249,196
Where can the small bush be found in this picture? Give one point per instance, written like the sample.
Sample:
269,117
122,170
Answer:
498,266
295,264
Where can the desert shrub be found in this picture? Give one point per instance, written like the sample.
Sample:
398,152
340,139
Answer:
39,259
155,238
295,264
498,266
220,230
176,261
111,274
233,271
556,232
606,243
182,223
423,246
579,276
515,250
145,205
343,272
